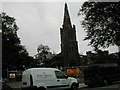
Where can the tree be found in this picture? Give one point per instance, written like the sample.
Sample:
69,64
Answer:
10,41
99,57
14,55
102,23
43,56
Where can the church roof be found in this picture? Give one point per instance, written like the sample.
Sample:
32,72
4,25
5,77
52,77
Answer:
66,21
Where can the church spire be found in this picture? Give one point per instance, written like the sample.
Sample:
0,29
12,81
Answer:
66,21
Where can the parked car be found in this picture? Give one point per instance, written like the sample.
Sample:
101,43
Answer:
101,74
48,79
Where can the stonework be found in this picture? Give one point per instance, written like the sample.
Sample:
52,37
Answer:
69,45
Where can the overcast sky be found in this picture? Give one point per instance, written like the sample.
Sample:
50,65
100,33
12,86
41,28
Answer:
40,23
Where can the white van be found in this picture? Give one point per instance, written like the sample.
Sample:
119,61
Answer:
47,79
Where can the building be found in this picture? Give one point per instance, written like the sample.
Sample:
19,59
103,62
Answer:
69,55
69,45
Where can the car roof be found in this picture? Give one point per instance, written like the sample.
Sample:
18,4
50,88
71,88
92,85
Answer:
104,65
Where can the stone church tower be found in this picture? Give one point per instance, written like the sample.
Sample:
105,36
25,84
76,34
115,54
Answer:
69,45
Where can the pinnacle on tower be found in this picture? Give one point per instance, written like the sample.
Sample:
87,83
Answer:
66,22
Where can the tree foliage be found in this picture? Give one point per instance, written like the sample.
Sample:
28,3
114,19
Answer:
14,55
100,57
44,55
102,23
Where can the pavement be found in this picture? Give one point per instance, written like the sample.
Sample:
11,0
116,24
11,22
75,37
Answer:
18,84
82,85
15,84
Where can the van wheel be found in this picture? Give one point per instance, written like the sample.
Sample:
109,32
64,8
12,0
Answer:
74,87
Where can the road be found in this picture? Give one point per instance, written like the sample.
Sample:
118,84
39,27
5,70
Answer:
110,87
115,86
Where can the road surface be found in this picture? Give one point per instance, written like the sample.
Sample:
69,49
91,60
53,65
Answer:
110,87
82,86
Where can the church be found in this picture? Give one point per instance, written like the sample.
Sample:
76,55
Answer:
69,55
